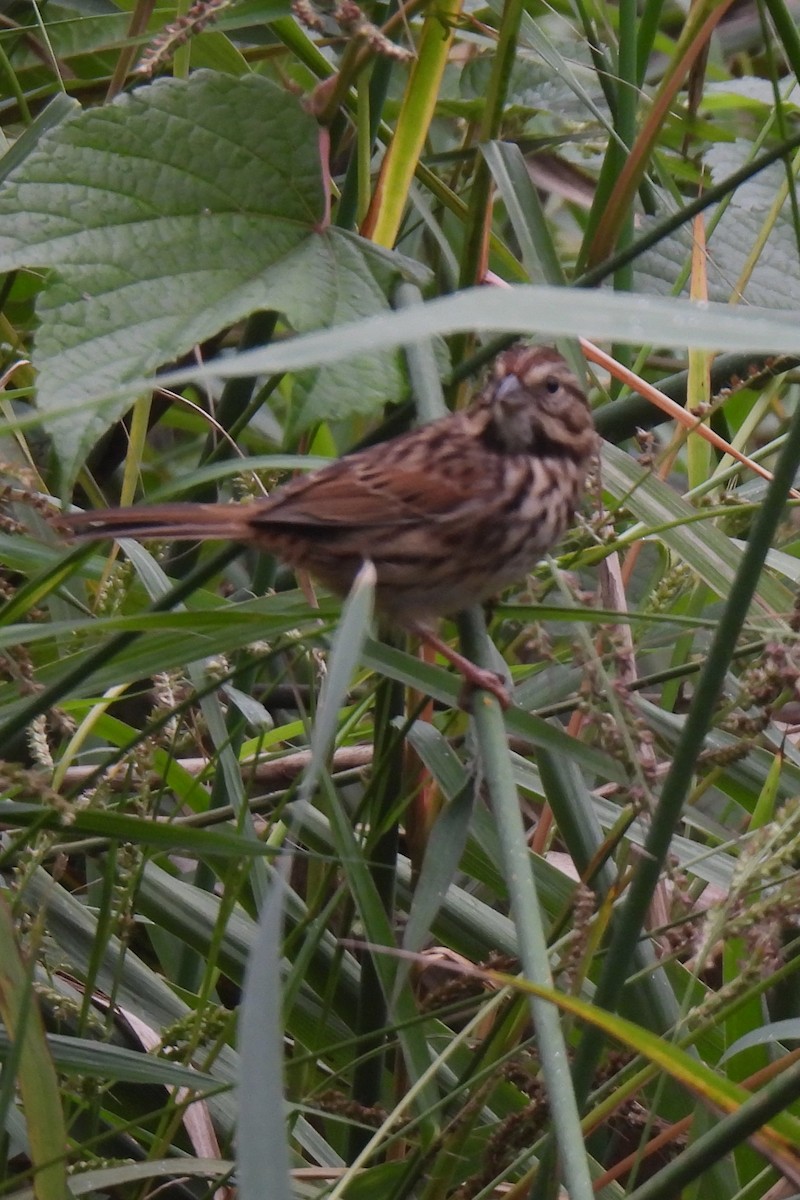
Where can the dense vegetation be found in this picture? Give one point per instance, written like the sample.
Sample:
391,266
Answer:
246,841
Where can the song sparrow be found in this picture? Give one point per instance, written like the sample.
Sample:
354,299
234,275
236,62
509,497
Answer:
449,513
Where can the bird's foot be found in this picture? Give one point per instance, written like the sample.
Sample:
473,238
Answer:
476,679
480,680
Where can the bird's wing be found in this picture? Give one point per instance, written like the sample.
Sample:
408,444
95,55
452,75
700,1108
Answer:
368,498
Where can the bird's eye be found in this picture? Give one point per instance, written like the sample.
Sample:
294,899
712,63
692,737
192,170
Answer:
552,384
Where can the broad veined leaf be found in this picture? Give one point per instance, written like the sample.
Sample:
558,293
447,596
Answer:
167,215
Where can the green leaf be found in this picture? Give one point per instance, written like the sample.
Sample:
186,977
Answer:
169,214
703,546
749,215
264,1166
629,318
88,1182
36,1077
82,1056
218,843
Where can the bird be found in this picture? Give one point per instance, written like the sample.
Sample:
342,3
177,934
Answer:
449,513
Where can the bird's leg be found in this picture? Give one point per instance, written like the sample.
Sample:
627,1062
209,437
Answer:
475,678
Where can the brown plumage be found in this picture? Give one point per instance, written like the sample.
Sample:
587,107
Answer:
448,513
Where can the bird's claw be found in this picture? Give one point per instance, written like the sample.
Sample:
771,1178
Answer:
482,680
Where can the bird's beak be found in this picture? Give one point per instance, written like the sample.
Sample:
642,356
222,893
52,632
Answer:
508,387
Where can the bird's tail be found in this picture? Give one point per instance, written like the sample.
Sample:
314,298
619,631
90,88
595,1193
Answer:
227,522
